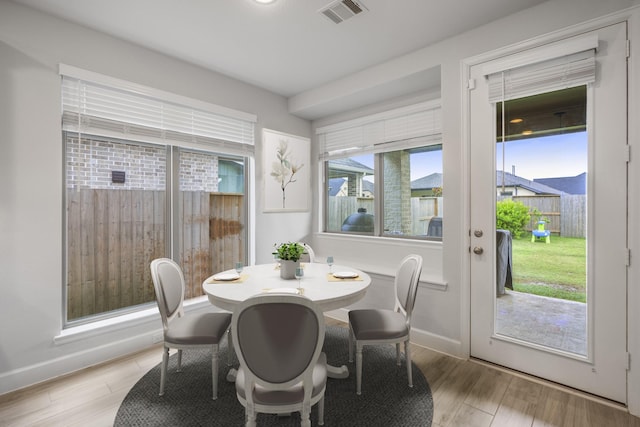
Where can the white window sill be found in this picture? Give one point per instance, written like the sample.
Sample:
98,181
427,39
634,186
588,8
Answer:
150,315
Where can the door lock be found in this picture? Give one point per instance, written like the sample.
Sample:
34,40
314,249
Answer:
478,233
478,250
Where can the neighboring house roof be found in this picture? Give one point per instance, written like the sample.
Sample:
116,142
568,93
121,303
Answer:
568,184
350,165
427,182
511,180
435,180
335,184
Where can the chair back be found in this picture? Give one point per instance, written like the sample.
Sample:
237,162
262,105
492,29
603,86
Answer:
406,284
278,339
168,282
309,255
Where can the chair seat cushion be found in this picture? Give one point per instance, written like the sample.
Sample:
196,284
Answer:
373,324
205,328
290,396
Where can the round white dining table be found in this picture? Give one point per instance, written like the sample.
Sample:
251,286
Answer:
317,284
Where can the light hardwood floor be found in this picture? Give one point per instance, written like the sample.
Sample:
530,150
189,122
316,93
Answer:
465,393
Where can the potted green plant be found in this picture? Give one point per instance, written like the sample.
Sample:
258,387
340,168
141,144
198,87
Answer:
289,255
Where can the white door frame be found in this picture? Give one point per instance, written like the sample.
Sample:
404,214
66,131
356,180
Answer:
632,16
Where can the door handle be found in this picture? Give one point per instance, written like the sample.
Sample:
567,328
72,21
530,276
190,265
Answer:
478,233
478,250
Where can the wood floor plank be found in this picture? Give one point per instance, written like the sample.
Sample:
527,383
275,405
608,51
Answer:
436,367
99,412
553,409
519,404
488,391
450,394
23,404
468,416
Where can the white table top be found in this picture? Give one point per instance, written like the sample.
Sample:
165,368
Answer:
316,286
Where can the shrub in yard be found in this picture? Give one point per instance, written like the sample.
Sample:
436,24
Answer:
512,216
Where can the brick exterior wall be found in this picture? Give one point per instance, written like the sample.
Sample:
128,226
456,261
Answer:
91,161
397,192
198,172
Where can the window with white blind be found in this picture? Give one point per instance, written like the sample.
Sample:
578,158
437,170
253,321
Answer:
149,174
383,173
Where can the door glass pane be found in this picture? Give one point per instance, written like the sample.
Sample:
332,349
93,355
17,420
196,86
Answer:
211,216
541,180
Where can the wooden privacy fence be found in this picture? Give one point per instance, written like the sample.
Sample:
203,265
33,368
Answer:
566,214
422,210
113,235
212,236
340,207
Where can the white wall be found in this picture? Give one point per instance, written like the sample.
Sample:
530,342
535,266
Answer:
31,197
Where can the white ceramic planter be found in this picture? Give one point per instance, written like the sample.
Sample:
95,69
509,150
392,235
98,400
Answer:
288,269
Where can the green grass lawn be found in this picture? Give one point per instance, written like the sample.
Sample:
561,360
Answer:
557,270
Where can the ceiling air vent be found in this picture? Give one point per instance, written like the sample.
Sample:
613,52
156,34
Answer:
341,10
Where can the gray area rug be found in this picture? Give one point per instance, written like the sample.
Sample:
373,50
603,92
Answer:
386,399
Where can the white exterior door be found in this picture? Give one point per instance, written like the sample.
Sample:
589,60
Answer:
600,365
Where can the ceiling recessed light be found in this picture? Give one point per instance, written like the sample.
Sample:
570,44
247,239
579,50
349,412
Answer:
518,120
264,1
527,132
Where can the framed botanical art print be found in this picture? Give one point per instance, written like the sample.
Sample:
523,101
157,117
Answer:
287,183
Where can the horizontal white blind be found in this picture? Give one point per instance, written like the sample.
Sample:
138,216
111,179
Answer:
400,128
90,107
560,73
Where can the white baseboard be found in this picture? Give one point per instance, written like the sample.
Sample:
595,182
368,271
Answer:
113,345
37,373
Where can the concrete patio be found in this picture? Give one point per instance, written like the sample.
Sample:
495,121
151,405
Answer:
555,323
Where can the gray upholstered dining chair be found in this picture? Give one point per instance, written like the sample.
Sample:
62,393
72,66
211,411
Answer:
278,340
380,326
185,331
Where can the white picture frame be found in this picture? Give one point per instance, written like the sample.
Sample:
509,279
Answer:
287,172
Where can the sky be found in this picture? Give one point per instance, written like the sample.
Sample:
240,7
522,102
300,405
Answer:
545,157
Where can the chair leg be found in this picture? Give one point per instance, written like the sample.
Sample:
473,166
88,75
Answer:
214,371
180,360
163,368
250,415
321,411
407,355
358,368
305,415
351,344
398,354
229,348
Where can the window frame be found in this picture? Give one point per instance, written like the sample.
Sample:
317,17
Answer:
379,199
413,126
239,147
